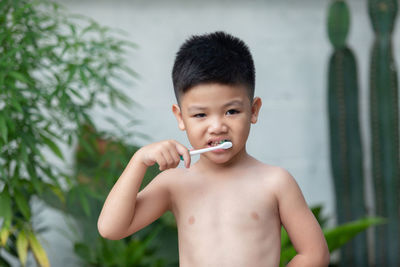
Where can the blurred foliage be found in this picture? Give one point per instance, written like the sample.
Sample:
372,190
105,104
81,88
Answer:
52,74
99,162
335,237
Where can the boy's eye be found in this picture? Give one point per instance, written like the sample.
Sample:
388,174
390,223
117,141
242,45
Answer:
232,111
199,115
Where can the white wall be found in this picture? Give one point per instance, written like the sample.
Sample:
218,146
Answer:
289,44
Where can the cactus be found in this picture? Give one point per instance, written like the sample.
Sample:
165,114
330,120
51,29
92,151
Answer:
384,118
345,140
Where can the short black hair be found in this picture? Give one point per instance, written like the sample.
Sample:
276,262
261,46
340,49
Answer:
213,58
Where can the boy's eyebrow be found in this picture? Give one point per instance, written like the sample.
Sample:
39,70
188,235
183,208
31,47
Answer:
195,108
230,103
233,103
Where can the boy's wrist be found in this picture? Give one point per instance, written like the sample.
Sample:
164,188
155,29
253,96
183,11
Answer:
139,159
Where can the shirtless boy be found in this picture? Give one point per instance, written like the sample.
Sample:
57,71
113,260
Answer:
229,207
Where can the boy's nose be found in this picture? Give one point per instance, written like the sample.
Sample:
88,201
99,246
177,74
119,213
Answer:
217,126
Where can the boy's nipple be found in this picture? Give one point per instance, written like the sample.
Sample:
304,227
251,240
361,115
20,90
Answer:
255,216
191,220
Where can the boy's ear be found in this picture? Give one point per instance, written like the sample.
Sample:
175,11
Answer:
255,108
178,115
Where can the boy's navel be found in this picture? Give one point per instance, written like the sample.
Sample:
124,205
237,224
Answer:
191,220
255,216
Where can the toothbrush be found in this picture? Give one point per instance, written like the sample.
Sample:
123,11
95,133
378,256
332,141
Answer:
223,145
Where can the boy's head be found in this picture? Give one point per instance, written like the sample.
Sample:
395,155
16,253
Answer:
214,77
213,58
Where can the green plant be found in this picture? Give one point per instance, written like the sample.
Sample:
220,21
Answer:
127,252
345,139
52,74
335,237
384,117
99,161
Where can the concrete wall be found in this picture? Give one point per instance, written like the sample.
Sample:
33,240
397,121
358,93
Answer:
289,44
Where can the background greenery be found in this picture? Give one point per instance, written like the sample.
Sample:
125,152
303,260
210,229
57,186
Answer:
52,74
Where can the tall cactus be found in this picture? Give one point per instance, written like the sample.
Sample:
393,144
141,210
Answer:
345,140
384,104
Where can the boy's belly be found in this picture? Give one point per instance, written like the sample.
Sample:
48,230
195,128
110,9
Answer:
228,251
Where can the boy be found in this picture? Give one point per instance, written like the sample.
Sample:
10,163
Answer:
229,207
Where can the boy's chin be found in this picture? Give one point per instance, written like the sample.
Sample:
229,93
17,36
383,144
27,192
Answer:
219,159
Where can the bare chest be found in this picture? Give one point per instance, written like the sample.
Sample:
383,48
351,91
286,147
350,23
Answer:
242,199
230,204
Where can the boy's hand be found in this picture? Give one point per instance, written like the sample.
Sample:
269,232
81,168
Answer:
165,153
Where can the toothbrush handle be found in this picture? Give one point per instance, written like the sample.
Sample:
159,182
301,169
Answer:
199,151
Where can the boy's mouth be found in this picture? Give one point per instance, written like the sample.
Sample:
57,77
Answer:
218,142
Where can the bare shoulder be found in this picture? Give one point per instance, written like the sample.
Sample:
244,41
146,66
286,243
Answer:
274,174
171,180
169,177
277,178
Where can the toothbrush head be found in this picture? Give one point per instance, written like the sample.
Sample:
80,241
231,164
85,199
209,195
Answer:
225,144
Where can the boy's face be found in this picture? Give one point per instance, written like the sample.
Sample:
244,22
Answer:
213,112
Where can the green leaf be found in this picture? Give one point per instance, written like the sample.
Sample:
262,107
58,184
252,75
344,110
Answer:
340,235
58,192
22,204
87,147
23,153
15,103
84,201
4,234
3,129
286,255
22,247
36,183
56,150
285,241
76,93
38,251
140,251
83,77
5,207
20,77
335,237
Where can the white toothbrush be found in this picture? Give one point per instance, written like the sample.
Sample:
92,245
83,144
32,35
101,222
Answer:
224,145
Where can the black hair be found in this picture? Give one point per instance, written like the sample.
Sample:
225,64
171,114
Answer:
213,58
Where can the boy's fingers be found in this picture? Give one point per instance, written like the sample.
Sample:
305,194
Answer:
175,156
182,150
169,161
161,162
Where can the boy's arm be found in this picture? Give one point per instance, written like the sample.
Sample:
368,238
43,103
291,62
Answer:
301,225
126,211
